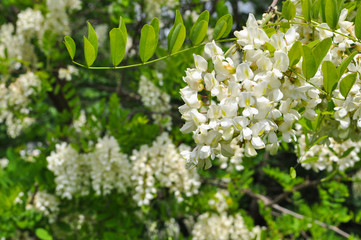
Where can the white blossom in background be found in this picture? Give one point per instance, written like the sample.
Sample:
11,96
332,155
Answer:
356,185
102,33
155,8
16,97
4,163
67,73
335,152
109,168
220,225
212,226
156,100
47,204
161,165
31,151
29,23
71,171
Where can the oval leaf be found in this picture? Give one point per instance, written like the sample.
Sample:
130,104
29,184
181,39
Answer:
177,39
293,173
311,160
147,43
43,234
306,9
320,51
178,20
330,76
123,28
347,83
117,46
331,13
70,46
229,20
358,23
89,52
93,39
155,24
199,32
309,63
295,53
219,30
288,10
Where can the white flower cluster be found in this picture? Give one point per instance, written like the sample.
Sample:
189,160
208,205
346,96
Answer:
161,165
248,102
66,73
344,153
152,96
356,185
47,204
29,23
156,100
15,98
104,169
4,163
256,103
155,8
221,226
110,169
71,171
57,19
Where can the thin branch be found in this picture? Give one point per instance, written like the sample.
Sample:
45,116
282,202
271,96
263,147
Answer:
273,203
268,202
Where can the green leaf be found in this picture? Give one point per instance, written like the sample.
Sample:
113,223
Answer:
70,46
288,10
43,234
117,45
203,16
347,152
295,53
358,23
310,160
314,43
306,9
147,43
323,10
89,52
293,173
229,20
93,39
347,83
309,68
178,20
155,24
219,30
199,32
123,28
330,76
316,5
343,66
320,139
331,13
177,38
223,27
320,51
196,30
270,48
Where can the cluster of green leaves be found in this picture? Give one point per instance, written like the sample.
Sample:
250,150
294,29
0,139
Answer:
149,38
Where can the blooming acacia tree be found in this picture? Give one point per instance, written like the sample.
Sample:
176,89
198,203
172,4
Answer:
264,118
